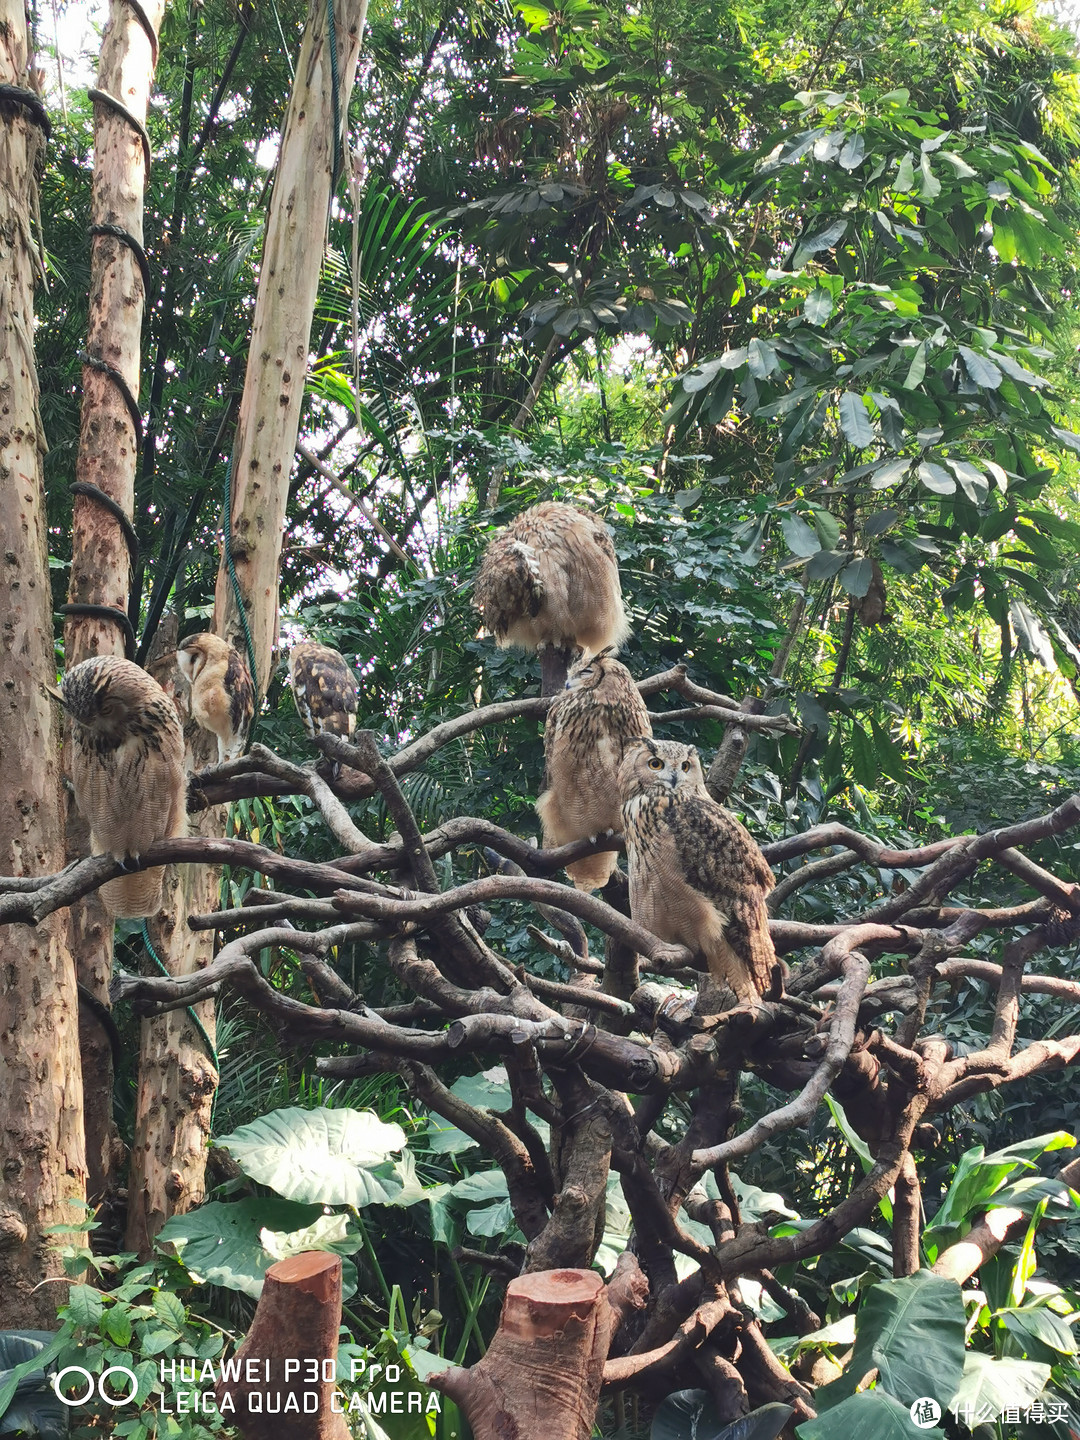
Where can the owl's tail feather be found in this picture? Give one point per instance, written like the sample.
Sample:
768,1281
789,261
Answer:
594,871
134,897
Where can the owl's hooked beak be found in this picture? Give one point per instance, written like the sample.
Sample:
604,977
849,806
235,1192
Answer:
52,690
674,779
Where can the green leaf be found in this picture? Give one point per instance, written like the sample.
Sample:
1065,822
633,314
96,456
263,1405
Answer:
801,538
853,152
826,563
972,481
869,1415
912,1332
1005,243
982,370
989,1385
960,166
117,1324
818,306
855,421
936,479
929,184
917,368
863,758
1036,1322
905,175
326,1157
761,358
978,1176
690,1415
220,1243
889,473
856,578
828,529
85,1306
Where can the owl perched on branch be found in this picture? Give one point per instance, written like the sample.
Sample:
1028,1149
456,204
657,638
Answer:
324,689
588,728
697,877
549,581
127,771
222,695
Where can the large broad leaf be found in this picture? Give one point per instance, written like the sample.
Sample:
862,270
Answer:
28,1403
855,421
912,1332
221,1243
979,1176
869,1415
321,1157
801,537
989,1385
689,1415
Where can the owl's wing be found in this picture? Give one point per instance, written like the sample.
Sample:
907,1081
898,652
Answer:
241,693
510,583
721,860
325,695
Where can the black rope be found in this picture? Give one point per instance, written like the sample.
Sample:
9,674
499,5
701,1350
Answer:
107,612
144,20
94,492
133,245
30,102
335,83
121,384
119,108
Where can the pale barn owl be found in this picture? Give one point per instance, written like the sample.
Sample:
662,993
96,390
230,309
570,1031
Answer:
324,689
550,581
588,727
222,695
127,771
697,877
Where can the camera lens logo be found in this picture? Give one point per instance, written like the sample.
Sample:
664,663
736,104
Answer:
97,1385
925,1412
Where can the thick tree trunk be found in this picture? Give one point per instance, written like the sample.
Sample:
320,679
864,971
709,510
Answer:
107,458
269,418
42,1148
541,1375
297,1320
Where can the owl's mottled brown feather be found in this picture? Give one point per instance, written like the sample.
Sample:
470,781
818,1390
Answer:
222,695
127,771
697,877
588,727
551,577
324,689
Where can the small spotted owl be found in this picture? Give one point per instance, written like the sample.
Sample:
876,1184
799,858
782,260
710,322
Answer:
588,727
550,578
222,695
697,877
324,688
127,771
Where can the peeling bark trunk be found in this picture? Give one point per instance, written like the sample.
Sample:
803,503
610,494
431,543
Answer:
42,1146
540,1379
269,417
297,1318
108,457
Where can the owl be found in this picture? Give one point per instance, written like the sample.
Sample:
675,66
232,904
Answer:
127,771
587,730
324,689
222,695
697,877
551,579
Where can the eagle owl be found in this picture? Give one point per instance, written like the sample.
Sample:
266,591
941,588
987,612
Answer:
127,771
587,730
222,695
697,877
550,579
324,689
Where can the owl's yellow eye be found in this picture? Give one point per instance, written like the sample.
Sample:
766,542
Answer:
656,763
686,764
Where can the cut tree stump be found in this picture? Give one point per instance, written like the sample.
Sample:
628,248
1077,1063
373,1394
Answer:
540,1379
297,1320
